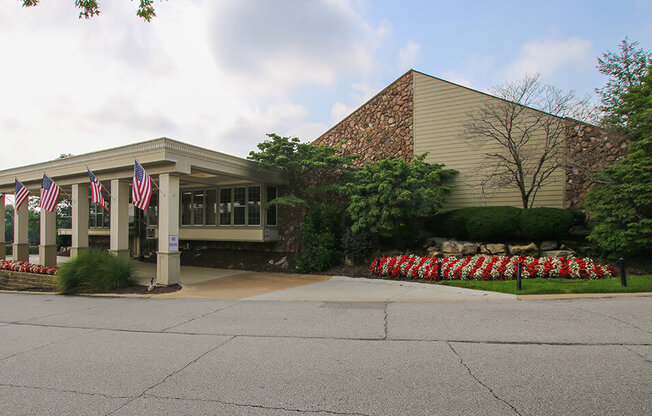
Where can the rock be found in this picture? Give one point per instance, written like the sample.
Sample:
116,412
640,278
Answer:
558,253
579,231
529,250
434,242
459,248
271,261
494,249
548,245
283,260
348,260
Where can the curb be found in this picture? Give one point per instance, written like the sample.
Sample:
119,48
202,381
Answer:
581,296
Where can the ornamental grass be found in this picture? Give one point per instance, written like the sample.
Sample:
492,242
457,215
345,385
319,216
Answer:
408,267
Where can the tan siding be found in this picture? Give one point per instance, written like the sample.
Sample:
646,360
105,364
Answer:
440,111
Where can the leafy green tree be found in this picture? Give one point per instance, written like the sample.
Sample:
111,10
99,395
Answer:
90,8
620,199
309,168
625,68
387,196
620,202
636,107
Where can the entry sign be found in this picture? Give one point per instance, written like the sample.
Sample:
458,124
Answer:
173,243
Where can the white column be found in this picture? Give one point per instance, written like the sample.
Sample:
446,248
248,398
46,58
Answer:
3,243
47,250
80,200
119,207
21,246
168,263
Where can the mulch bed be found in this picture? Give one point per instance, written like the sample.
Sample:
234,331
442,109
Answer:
142,290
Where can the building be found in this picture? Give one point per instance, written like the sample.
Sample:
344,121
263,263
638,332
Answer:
419,113
199,194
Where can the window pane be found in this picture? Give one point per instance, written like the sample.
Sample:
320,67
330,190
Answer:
92,215
271,211
107,217
198,208
253,215
186,200
152,210
225,206
211,206
239,206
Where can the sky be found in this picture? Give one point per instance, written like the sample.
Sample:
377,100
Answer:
222,73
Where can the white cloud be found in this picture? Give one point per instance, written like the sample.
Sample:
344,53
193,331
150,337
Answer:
549,56
339,111
409,55
457,78
215,74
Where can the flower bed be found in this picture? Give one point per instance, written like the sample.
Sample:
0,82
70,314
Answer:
488,268
21,266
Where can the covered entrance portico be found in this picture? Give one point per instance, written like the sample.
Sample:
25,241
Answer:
199,194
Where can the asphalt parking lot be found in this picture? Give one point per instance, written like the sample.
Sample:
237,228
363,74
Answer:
127,356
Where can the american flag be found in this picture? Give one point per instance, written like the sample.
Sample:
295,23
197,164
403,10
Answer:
49,194
96,190
141,191
21,195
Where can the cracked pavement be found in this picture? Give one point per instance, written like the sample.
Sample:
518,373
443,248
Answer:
131,356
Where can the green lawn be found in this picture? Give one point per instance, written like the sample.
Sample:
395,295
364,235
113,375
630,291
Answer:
557,286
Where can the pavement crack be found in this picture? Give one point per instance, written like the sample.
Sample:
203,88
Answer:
22,321
385,325
612,317
173,373
201,316
90,331
479,381
259,406
85,393
637,353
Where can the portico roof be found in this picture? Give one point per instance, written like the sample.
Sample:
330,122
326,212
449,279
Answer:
191,163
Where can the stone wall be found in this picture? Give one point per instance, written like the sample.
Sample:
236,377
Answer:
381,128
10,280
591,149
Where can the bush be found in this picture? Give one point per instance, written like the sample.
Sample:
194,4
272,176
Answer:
359,245
545,223
94,271
478,223
493,224
320,235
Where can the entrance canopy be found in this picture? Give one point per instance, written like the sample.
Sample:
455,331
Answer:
200,195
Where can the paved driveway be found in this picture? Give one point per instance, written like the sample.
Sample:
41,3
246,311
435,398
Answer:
132,356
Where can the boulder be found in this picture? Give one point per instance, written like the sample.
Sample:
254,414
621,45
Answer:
557,253
529,249
459,248
548,245
434,242
494,249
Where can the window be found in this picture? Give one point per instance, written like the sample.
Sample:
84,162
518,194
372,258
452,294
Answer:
239,207
253,203
152,210
211,206
186,206
198,208
225,206
98,217
272,210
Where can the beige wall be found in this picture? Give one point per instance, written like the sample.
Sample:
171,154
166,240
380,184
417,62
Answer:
440,112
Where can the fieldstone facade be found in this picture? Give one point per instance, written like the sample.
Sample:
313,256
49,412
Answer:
382,128
591,149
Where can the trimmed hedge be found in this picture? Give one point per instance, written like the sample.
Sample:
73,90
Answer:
320,239
545,223
503,223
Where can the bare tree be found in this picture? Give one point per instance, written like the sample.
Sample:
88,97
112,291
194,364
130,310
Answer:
524,134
